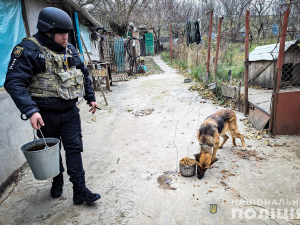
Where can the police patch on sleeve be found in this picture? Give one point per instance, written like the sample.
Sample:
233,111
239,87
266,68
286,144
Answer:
18,51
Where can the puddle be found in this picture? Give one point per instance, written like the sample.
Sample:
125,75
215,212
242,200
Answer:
165,180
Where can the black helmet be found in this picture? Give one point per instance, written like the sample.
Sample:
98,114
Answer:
54,20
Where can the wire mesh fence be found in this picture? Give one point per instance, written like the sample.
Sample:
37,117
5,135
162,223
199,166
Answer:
290,77
290,74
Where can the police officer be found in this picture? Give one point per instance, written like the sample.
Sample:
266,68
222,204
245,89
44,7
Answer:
45,77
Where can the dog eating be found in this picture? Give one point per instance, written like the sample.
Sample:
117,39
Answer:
209,133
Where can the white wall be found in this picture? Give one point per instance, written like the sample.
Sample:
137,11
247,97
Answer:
33,8
14,133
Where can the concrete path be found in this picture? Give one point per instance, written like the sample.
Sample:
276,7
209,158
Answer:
137,141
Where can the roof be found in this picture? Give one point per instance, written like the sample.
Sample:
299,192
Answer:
83,12
268,52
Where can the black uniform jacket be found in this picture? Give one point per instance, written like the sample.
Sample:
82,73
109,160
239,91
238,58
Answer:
27,60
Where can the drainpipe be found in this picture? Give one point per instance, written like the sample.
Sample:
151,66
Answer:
209,43
218,44
246,108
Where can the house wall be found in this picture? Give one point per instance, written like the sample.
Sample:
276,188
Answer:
95,52
14,133
33,8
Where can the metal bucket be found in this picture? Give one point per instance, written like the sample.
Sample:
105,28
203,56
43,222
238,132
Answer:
187,170
43,163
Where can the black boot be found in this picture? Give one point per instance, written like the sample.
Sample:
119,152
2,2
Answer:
82,194
57,186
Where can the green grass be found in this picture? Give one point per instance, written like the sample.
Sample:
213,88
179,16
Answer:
198,71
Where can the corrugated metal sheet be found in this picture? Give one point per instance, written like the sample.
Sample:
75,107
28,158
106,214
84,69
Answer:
268,52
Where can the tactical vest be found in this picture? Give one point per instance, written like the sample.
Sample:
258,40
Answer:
56,81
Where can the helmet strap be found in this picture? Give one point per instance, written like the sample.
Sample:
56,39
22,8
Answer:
53,34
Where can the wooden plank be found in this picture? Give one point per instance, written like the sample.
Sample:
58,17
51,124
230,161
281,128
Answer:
258,119
259,72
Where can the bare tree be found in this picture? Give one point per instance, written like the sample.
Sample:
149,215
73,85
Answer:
117,12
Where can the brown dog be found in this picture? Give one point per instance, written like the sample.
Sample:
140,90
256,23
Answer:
209,134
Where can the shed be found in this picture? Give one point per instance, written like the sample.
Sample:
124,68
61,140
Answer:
263,64
147,39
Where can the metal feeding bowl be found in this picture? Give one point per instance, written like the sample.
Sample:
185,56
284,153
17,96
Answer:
187,167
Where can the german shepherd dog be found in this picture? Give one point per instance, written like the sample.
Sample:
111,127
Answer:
209,134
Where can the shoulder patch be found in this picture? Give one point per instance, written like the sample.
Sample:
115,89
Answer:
18,51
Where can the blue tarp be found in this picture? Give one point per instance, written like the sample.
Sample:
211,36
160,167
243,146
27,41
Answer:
12,31
84,31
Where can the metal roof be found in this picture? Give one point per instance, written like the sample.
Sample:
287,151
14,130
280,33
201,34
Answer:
83,12
268,52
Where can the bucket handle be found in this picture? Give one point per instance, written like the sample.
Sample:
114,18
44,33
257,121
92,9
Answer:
34,137
47,147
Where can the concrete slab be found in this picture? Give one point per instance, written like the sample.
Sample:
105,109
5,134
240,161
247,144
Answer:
228,91
125,154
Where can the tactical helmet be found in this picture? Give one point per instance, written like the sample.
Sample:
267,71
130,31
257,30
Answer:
54,20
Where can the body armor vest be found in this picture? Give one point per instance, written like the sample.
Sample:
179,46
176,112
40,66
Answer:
58,80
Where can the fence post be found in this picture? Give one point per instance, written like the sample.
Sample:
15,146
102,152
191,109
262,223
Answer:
246,108
218,44
170,43
209,42
277,79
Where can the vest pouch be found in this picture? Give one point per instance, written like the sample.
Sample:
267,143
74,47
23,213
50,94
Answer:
80,80
79,76
67,79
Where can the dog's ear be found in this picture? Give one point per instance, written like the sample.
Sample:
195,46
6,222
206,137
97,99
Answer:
197,157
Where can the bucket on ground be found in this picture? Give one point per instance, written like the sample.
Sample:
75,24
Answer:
43,161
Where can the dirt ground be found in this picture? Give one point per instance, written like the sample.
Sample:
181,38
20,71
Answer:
132,149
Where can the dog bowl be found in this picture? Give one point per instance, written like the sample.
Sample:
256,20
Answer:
187,170
187,167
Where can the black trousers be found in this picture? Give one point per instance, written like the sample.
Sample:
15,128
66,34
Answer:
66,126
